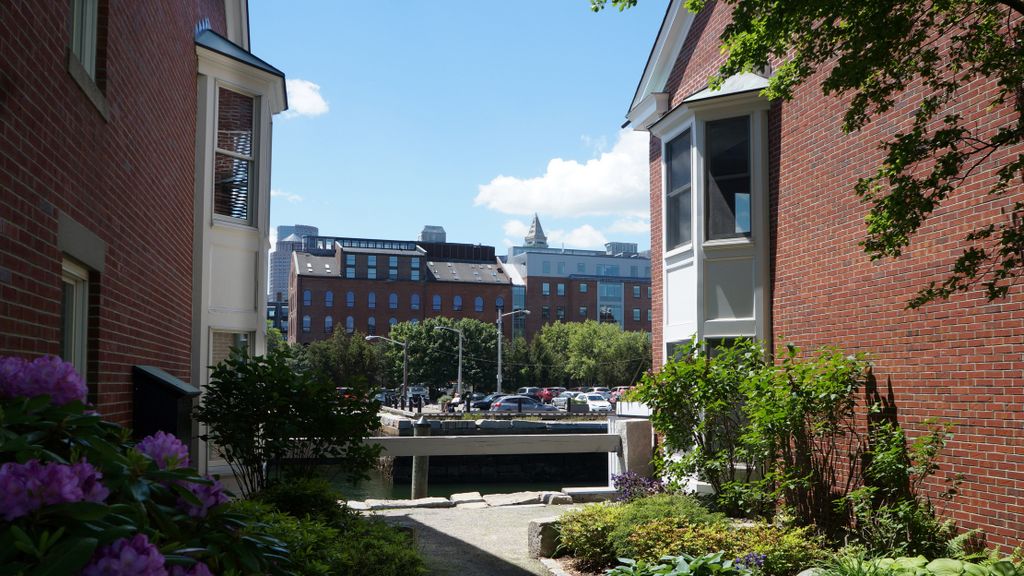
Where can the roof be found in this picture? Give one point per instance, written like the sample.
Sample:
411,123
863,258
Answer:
292,238
213,41
351,250
469,272
307,264
536,235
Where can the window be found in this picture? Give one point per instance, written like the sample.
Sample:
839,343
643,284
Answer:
545,289
85,36
636,314
560,312
436,304
727,210
307,322
414,302
371,326
561,267
499,303
545,267
648,314
414,269
350,259
74,314
545,312
634,271
611,270
350,272
350,324
393,301
457,303
560,289
393,267
599,269
478,304
371,300
307,298
581,268
636,291
583,287
392,321
328,324
233,191
371,267
329,299
678,206
414,321
650,290
583,311
350,299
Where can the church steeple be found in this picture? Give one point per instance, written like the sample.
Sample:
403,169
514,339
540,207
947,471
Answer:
536,237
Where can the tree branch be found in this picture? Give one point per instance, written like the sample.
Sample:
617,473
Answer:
1015,5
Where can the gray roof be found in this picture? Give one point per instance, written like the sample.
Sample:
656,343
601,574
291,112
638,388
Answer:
307,264
292,238
348,249
468,272
213,41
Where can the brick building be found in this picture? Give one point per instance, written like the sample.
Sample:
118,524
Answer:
755,231
366,285
572,285
133,217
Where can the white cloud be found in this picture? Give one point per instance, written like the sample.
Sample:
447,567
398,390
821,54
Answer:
282,194
516,228
304,99
597,145
585,236
614,183
631,226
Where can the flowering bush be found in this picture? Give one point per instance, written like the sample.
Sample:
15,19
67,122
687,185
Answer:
632,486
77,498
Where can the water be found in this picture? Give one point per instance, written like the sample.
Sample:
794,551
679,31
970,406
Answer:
380,487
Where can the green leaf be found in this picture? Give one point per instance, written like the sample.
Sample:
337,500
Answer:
67,558
945,567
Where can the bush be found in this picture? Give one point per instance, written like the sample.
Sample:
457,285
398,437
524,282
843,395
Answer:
856,563
632,486
680,508
312,498
779,551
683,565
77,497
584,534
261,409
317,548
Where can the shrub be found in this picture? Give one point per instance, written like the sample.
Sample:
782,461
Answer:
781,552
314,498
584,534
683,509
261,409
316,548
77,497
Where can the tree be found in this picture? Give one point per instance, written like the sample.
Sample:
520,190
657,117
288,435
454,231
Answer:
878,52
434,354
347,360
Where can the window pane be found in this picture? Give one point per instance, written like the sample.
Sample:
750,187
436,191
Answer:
728,190
677,201
231,186
235,122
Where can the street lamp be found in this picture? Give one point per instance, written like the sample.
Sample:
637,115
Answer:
459,332
500,316
405,361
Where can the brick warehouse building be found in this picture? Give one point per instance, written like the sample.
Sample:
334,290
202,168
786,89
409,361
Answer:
775,255
134,188
365,285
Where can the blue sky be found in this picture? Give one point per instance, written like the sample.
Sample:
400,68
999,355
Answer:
468,114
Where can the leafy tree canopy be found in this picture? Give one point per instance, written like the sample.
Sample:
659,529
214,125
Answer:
878,53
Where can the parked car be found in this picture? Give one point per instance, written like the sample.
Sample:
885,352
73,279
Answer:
562,399
598,403
485,402
420,391
531,391
521,404
548,394
618,391
386,397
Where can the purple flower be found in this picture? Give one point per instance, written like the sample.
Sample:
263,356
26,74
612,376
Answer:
47,375
133,556
198,569
32,485
165,449
632,486
752,561
209,495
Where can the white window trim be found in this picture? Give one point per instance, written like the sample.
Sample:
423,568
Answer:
78,277
255,177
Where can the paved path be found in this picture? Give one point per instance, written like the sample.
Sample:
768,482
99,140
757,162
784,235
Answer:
475,542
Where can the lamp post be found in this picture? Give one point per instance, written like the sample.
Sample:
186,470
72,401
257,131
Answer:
405,361
459,332
500,336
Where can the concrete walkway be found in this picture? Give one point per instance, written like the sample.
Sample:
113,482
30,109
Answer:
471,542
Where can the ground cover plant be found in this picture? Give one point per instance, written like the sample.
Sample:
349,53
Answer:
77,496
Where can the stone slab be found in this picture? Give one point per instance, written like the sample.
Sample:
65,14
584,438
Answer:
514,499
528,425
494,424
559,499
358,506
542,537
472,505
466,498
591,493
433,502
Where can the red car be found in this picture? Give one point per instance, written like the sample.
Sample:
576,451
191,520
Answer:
548,394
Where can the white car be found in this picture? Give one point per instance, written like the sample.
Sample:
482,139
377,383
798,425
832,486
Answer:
562,399
598,403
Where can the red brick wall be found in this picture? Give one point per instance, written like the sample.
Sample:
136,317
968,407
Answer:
573,299
959,361
128,180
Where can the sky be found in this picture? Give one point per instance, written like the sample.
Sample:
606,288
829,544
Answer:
467,114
